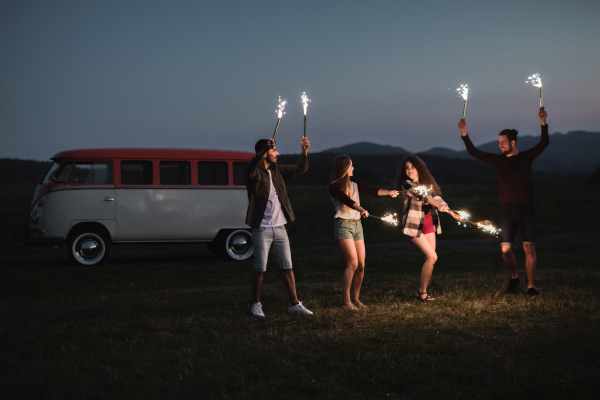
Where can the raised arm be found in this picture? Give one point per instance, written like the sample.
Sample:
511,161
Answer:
471,149
536,150
288,171
255,162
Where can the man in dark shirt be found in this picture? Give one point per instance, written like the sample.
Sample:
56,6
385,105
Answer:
515,192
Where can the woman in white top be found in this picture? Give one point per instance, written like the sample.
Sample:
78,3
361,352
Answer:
348,232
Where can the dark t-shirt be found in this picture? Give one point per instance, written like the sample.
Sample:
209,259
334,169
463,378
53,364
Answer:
514,173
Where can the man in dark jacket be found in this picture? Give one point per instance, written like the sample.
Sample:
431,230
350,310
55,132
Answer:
269,209
515,191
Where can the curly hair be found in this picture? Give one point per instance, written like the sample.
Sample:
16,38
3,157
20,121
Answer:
340,174
425,177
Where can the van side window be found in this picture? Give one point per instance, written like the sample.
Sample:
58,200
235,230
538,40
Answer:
238,173
99,172
136,172
175,173
63,173
213,173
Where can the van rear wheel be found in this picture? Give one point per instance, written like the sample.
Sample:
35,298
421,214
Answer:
88,247
236,245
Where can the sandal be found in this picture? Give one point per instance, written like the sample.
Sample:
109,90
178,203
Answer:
426,298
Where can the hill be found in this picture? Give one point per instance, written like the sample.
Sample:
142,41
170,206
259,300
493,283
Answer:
14,171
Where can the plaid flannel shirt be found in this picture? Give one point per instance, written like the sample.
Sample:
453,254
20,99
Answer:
413,215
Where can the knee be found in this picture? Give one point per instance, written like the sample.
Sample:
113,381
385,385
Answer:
360,267
432,258
352,265
506,250
529,249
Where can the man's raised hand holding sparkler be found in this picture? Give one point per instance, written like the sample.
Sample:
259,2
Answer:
515,190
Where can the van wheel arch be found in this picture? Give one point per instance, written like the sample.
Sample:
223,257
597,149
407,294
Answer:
235,244
88,243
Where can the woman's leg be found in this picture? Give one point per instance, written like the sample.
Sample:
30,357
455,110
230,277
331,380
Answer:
427,245
359,273
351,257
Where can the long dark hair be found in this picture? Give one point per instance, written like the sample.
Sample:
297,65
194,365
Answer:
425,177
340,174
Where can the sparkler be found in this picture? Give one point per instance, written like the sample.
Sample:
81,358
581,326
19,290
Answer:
536,81
419,190
280,112
486,226
389,218
463,91
462,214
304,100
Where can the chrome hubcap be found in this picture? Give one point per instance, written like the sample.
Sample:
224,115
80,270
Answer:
239,244
88,248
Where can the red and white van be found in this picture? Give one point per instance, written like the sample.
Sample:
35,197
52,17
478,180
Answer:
92,198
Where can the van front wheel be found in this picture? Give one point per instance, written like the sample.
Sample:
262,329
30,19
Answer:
88,247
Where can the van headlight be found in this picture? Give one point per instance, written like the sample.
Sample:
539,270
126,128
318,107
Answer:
34,217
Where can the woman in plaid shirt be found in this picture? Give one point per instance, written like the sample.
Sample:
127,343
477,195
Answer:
420,220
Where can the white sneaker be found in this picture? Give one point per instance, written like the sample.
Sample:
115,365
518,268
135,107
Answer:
299,309
257,310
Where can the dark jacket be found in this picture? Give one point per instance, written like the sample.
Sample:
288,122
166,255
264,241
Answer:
258,187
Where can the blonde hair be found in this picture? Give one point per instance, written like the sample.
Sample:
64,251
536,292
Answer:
341,164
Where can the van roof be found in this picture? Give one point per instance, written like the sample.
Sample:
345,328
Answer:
137,153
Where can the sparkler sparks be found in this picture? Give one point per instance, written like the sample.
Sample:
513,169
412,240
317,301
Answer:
280,111
486,226
304,100
463,91
536,81
422,190
389,218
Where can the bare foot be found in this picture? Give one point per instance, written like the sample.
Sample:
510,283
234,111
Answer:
358,304
349,306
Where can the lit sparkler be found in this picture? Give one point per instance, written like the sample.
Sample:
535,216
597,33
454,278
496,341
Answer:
304,99
463,91
536,81
389,218
418,190
280,112
462,214
486,226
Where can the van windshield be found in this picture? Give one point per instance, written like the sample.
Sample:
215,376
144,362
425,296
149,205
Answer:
50,172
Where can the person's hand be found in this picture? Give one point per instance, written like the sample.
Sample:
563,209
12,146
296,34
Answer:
305,145
444,208
542,115
271,144
363,213
455,215
462,126
392,193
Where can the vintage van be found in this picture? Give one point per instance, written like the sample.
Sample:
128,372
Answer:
93,198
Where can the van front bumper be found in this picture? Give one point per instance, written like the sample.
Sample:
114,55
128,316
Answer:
35,237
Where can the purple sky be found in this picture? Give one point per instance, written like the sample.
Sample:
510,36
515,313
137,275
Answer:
78,74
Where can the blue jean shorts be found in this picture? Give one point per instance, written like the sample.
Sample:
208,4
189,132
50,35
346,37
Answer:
274,239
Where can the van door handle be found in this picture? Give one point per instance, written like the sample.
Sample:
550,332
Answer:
108,199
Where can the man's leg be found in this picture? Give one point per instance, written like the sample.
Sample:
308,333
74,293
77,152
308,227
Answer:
530,264
281,250
261,239
509,260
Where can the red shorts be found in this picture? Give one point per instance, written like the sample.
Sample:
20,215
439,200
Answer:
427,226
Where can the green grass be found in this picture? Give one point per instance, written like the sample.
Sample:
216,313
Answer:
159,329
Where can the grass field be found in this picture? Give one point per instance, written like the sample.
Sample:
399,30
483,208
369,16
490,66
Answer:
153,329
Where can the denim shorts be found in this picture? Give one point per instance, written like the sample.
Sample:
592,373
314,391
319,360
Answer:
348,230
516,215
274,239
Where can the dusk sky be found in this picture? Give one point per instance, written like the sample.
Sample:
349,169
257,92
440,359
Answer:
200,74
